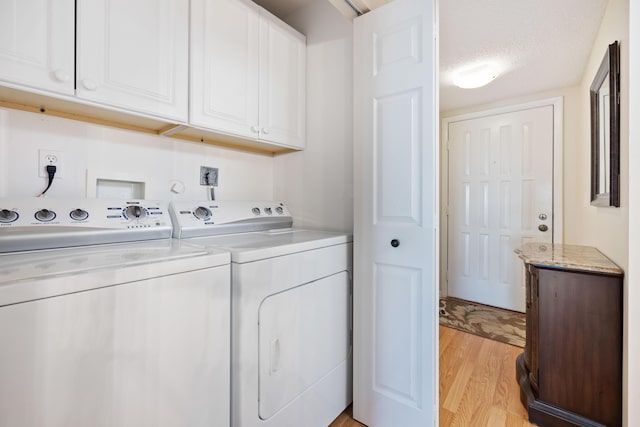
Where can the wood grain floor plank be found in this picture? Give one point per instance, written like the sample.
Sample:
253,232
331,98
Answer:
497,417
472,407
447,336
458,388
478,387
514,420
345,419
508,386
446,417
504,380
465,356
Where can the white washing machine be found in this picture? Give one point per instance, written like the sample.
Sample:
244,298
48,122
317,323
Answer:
291,311
112,334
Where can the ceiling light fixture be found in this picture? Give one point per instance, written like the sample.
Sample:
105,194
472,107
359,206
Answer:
477,76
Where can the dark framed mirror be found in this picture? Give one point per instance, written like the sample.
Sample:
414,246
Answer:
605,131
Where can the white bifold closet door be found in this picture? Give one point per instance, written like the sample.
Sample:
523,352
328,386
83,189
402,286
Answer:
396,216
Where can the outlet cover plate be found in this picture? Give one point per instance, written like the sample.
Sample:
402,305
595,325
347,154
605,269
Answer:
49,157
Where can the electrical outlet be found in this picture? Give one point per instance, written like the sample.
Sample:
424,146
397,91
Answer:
208,176
49,157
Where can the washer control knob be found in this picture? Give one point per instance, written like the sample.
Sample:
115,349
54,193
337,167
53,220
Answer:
202,213
268,211
45,215
279,210
7,216
135,212
256,211
79,214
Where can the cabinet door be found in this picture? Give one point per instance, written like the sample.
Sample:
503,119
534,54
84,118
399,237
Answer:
282,83
580,345
224,66
36,44
133,54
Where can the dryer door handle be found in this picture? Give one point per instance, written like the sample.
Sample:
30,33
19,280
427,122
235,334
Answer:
274,356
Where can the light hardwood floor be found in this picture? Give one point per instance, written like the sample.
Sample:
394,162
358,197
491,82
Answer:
477,384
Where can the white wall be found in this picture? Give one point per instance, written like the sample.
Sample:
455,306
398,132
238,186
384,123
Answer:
604,228
317,184
105,152
632,314
608,228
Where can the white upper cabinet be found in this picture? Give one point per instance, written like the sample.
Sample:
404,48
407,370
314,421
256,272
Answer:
247,73
282,82
36,44
133,54
225,46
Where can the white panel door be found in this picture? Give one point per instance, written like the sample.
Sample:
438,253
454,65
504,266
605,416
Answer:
225,42
134,55
500,196
37,44
395,227
282,82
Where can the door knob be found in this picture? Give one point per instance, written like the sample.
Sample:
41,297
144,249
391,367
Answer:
395,243
543,227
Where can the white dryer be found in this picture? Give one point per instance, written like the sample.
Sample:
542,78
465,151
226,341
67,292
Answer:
291,311
111,334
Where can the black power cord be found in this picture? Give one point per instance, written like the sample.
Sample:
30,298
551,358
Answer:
51,171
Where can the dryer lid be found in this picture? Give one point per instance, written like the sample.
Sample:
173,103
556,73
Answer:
248,247
40,274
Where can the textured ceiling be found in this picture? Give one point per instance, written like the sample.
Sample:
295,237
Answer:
537,44
540,45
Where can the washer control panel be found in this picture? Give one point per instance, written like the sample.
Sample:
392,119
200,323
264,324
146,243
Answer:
45,223
207,218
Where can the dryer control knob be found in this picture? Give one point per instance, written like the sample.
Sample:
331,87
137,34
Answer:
79,214
279,210
202,213
256,211
7,216
45,215
268,211
135,212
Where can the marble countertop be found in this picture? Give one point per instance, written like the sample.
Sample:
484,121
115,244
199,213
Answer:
574,257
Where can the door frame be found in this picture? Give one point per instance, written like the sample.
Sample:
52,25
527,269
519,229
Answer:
558,143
